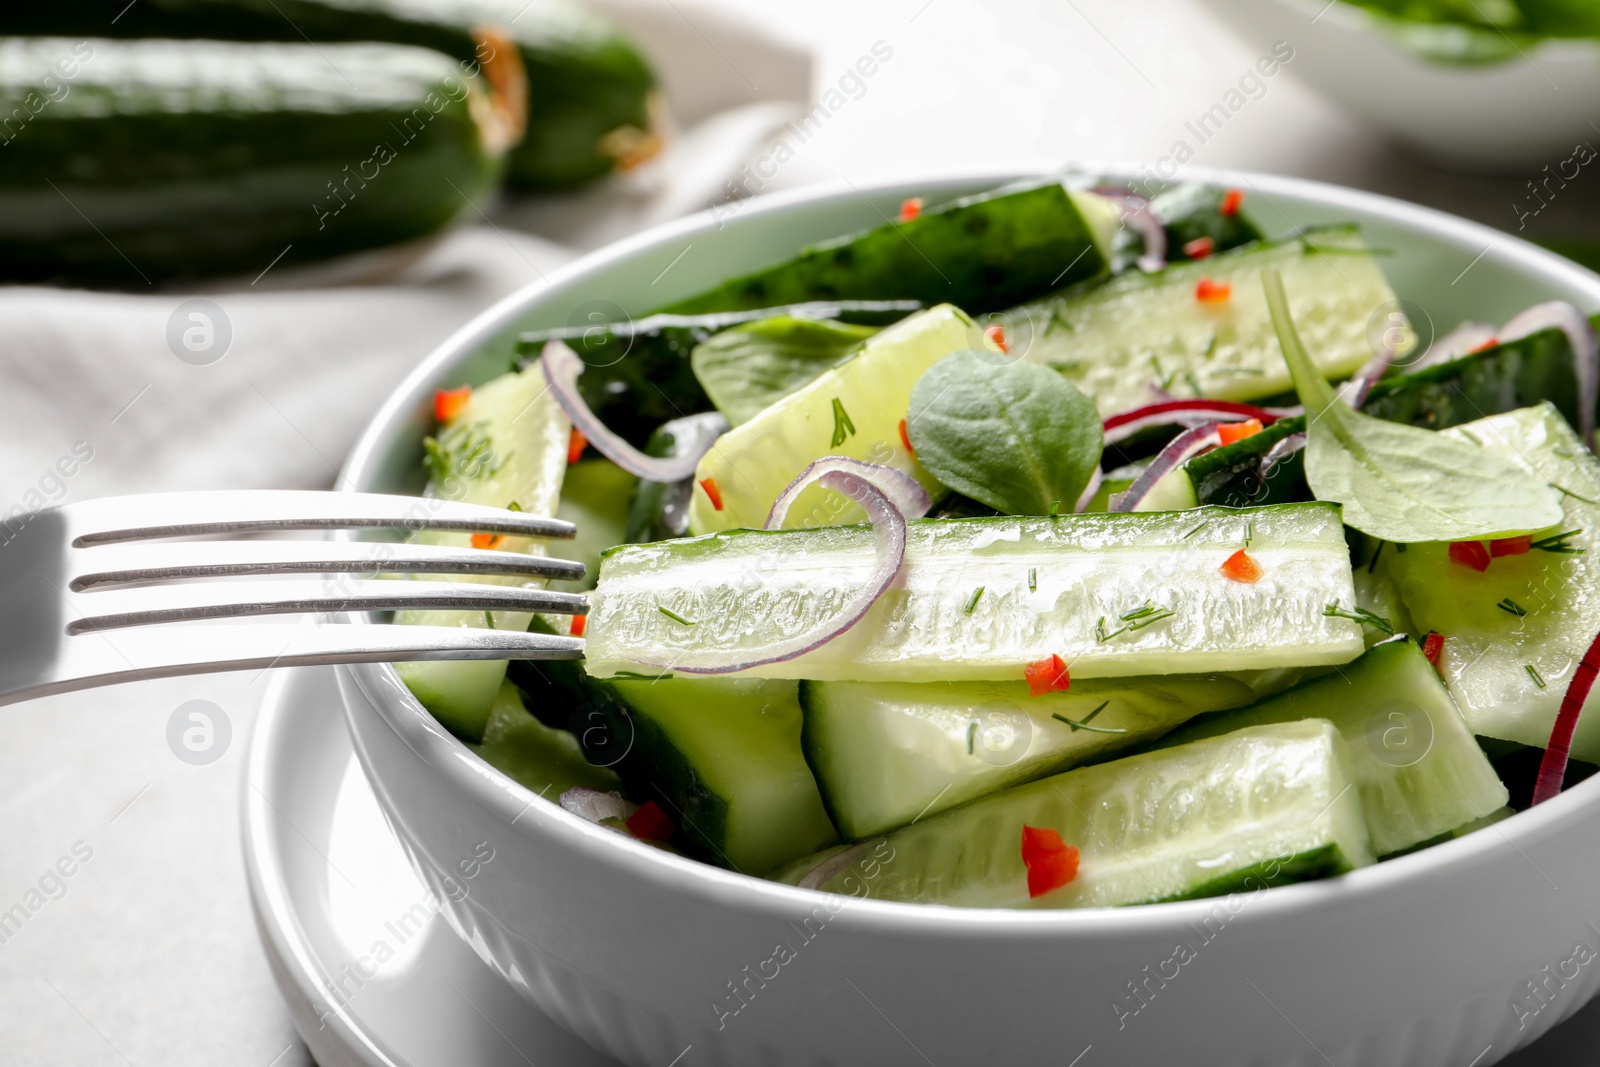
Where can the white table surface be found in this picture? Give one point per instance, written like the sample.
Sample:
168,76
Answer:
150,955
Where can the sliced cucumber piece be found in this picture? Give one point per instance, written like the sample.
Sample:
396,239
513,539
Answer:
1415,763
1115,338
852,410
1051,586
1272,803
1514,633
660,510
541,758
507,445
595,495
722,756
888,753
1376,593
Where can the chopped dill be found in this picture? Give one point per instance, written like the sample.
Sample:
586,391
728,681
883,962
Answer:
674,616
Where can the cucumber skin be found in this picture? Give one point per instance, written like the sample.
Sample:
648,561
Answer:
585,78
1513,375
979,253
197,159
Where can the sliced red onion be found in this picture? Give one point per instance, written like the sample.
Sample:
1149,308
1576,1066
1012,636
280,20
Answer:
1354,392
1281,450
594,805
1087,496
1125,424
832,866
888,524
1560,315
1462,340
562,366
1553,767
1137,214
1180,449
903,491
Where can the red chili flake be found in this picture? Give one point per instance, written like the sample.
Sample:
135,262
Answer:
1231,201
1470,554
905,437
910,208
579,624
1490,343
1229,432
997,334
650,823
1433,647
447,403
575,445
1239,567
1553,767
712,492
483,540
1047,676
1510,546
1209,292
1051,863
1199,248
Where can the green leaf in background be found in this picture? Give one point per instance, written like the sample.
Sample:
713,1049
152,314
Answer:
1398,482
750,367
1018,437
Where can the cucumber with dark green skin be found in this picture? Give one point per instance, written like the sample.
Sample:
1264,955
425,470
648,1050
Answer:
159,159
585,79
1503,378
980,253
660,510
1189,212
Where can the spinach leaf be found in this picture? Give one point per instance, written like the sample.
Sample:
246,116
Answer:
751,366
1018,437
1401,483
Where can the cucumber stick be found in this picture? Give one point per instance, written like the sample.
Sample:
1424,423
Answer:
982,252
541,758
1269,802
507,445
1514,633
888,753
1114,340
157,159
856,410
722,758
1050,586
1416,765
595,497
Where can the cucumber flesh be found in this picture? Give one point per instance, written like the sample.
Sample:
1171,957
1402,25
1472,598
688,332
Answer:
854,410
1488,648
1416,765
888,753
1047,584
722,757
1113,339
1269,801
595,495
508,444
541,758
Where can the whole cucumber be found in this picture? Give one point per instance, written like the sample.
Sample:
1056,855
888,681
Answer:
127,162
589,89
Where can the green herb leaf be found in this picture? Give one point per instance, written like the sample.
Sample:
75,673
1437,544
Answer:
1016,437
1398,482
842,426
752,366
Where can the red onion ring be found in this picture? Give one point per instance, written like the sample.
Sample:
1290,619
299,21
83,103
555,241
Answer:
1354,392
1180,449
1553,767
1125,424
1137,214
562,366
1087,496
903,491
593,805
836,864
1461,341
1560,315
889,526
1281,450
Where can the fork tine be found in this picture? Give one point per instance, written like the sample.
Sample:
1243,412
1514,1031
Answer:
121,564
133,518
118,608
130,655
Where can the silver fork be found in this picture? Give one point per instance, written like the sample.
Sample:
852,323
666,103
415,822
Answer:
96,592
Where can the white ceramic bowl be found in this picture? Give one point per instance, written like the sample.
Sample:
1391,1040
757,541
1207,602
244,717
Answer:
1424,960
1513,116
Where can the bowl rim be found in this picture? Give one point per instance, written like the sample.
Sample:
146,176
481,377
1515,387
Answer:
500,795
1355,18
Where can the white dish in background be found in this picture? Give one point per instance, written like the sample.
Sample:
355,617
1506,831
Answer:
1417,961
1508,116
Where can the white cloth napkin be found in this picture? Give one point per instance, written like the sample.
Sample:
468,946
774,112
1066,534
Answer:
312,351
